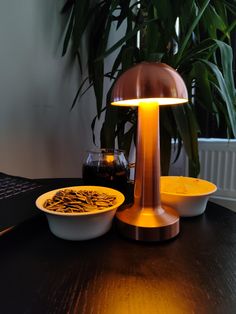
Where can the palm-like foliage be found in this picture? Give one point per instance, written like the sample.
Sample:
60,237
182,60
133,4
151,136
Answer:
191,36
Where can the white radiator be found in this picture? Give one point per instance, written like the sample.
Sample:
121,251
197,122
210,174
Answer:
218,165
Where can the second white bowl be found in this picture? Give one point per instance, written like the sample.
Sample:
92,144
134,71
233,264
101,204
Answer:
189,196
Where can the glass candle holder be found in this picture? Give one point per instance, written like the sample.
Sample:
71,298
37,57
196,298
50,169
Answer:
107,167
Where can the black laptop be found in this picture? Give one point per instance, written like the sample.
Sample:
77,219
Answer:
17,199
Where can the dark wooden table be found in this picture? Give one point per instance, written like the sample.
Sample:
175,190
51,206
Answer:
194,273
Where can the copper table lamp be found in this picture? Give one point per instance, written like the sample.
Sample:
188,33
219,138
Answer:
148,85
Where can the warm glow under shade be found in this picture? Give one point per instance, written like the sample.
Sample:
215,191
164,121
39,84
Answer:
149,82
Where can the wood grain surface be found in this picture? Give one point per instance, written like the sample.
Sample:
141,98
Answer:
193,273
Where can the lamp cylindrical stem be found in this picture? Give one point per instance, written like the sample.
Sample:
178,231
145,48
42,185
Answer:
147,219
147,171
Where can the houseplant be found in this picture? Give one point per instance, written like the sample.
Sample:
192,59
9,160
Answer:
191,36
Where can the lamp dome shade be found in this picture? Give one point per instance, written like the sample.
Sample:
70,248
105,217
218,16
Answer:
149,82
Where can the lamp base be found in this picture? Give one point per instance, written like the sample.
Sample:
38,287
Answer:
148,225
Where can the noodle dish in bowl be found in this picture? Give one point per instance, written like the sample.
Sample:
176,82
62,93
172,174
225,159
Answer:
80,212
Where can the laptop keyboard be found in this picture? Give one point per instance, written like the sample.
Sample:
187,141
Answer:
12,185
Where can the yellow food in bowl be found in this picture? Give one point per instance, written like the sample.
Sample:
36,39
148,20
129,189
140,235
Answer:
186,186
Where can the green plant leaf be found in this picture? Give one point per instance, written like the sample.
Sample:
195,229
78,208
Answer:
190,30
213,21
93,125
108,131
225,93
227,61
165,147
68,33
202,50
127,138
78,93
124,39
187,128
81,12
67,6
202,84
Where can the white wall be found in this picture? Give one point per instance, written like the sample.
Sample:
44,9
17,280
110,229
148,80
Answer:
39,135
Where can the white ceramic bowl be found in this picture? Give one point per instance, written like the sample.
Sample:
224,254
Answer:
189,196
82,225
